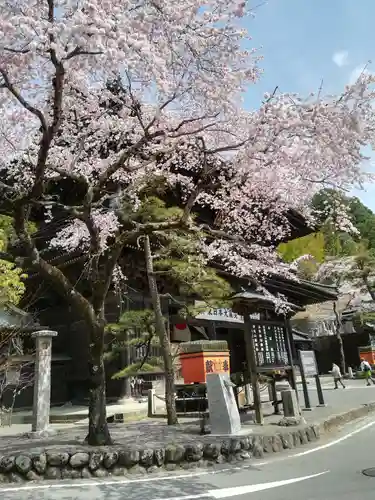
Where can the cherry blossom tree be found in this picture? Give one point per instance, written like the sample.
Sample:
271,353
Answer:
124,98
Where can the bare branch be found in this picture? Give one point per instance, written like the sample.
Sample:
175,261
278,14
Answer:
79,52
230,147
69,174
12,89
223,235
16,51
123,157
192,120
72,210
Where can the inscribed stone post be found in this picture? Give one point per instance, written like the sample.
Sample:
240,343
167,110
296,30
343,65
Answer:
290,404
42,382
224,415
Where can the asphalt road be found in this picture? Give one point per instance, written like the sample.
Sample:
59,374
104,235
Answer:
331,470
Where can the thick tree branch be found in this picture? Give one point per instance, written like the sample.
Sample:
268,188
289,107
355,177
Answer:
123,157
16,93
49,272
48,135
80,52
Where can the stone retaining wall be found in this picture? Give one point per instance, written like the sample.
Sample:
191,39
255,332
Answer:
120,461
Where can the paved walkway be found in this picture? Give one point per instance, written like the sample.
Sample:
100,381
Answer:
153,432
70,413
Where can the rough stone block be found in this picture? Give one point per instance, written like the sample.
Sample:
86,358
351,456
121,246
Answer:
53,473
7,463
128,458
137,470
40,463
33,476
303,436
14,477
110,459
310,434
57,459
146,457
290,404
86,473
287,441
119,471
159,456
101,472
211,451
70,473
23,464
267,444
174,453
79,459
193,452
257,450
224,415
96,459
277,444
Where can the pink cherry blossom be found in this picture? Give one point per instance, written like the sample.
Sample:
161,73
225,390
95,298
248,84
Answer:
175,117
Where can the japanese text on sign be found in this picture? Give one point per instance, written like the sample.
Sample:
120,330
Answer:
308,363
217,365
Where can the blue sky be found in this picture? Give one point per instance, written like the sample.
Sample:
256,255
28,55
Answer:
305,41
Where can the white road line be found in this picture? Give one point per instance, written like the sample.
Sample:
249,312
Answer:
243,490
323,446
79,484
252,488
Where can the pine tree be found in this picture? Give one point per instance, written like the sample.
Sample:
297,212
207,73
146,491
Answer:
135,332
175,257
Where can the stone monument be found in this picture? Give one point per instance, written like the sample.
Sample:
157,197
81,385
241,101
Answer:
290,404
224,414
42,383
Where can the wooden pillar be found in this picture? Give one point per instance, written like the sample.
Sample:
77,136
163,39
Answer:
288,341
252,367
211,330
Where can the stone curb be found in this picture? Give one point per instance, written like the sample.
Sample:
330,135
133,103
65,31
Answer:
124,461
341,419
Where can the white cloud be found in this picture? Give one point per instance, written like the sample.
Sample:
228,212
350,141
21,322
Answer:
357,72
341,58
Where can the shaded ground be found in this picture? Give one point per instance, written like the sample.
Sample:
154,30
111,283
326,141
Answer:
154,432
341,464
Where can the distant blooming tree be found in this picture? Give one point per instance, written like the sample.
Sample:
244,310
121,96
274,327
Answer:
120,100
12,286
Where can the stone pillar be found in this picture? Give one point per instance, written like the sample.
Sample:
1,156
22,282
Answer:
42,381
151,409
290,404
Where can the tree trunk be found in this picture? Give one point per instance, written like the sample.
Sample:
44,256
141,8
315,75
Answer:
339,340
341,353
170,401
98,428
162,333
125,361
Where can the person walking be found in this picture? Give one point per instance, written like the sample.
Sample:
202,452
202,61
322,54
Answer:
367,370
337,377
132,386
